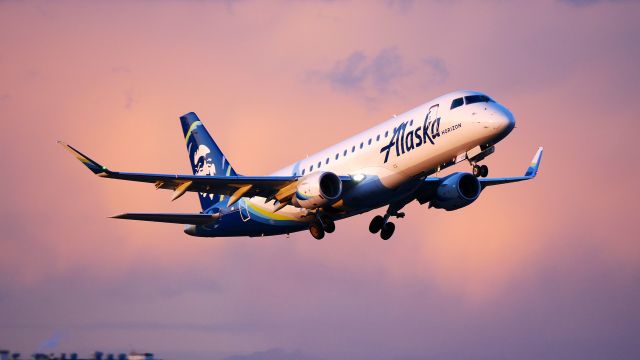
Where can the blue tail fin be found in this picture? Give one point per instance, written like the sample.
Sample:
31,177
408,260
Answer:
204,155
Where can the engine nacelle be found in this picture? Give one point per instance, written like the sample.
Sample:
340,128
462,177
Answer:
317,189
457,191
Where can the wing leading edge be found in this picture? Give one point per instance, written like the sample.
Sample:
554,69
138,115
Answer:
280,188
430,184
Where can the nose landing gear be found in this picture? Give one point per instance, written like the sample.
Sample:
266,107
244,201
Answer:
480,170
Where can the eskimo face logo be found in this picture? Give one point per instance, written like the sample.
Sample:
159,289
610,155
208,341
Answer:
203,164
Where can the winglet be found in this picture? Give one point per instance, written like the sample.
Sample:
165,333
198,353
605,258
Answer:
532,170
92,165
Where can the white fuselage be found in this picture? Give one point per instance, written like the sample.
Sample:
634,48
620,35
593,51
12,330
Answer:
434,136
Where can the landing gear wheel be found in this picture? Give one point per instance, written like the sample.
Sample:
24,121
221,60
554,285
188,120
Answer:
316,230
329,225
476,171
387,230
376,224
484,171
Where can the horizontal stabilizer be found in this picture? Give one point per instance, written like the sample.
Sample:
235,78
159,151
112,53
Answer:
191,219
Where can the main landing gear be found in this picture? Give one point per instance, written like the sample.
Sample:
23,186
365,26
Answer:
382,224
321,225
480,170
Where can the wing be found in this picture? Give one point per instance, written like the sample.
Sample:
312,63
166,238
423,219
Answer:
428,188
280,188
529,174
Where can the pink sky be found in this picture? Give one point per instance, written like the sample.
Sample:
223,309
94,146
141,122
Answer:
540,270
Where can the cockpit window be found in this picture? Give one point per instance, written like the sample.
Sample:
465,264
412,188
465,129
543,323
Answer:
472,99
457,102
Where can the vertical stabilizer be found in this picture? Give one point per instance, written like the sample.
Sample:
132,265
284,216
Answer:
205,156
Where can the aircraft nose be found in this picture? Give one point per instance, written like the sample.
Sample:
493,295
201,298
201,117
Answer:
508,121
505,122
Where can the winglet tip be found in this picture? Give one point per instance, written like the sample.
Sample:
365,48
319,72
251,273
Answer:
532,170
88,162
539,154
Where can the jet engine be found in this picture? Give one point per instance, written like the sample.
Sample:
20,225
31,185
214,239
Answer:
317,189
457,191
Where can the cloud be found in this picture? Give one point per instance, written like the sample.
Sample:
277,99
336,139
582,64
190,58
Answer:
588,2
171,326
402,5
120,70
129,100
273,354
359,72
438,69
386,72
51,343
386,67
350,73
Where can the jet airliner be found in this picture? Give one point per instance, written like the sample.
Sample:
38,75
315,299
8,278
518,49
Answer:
386,166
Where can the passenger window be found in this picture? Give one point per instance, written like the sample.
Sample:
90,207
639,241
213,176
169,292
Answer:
411,122
386,133
378,137
337,155
361,145
353,149
456,103
326,161
345,152
303,170
369,143
319,163
311,168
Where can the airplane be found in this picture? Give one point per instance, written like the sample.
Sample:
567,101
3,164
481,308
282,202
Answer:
388,165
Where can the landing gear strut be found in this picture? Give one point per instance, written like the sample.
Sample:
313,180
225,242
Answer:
327,223
480,170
